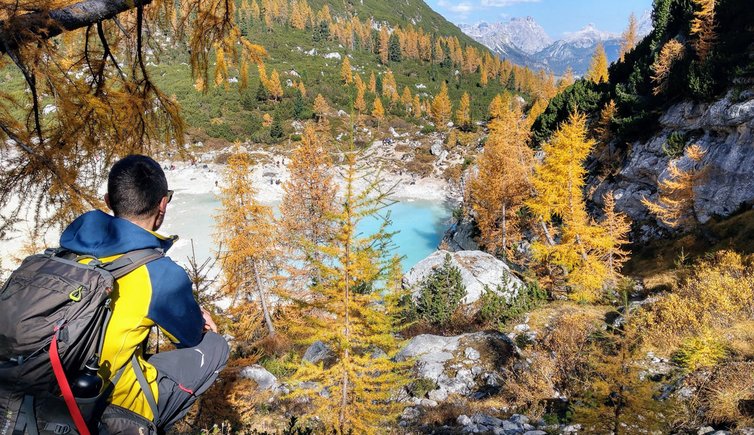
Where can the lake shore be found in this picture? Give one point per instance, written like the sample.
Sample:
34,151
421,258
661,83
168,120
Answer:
271,172
203,176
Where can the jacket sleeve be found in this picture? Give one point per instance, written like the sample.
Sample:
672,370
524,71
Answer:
173,307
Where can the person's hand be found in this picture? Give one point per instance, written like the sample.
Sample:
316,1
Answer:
209,324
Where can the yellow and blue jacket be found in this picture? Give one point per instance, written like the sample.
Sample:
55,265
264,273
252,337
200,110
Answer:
158,293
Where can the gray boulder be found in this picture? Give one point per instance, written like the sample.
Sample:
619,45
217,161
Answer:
319,352
444,361
436,148
478,270
265,380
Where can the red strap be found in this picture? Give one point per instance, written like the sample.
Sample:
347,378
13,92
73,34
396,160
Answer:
70,402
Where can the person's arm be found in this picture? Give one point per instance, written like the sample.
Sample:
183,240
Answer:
173,307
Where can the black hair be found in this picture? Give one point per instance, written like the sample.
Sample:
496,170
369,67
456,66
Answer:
135,186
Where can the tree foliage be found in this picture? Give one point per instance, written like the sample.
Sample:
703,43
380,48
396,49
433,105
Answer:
598,68
502,182
441,108
559,202
352,310
307,210
675,204
440,293
245,233
58,158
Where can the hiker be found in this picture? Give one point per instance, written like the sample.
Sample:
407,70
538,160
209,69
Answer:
156,294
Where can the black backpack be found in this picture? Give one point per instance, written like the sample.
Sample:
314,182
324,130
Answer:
53,317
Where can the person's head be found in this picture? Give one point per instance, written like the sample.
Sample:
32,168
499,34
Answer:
137,190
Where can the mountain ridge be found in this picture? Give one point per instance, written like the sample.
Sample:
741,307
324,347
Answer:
514,41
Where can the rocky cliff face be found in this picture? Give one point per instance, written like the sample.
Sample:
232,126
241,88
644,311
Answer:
725,129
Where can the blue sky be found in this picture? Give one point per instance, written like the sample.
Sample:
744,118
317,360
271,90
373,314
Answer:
556,16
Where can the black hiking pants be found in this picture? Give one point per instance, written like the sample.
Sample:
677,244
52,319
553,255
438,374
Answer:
184,374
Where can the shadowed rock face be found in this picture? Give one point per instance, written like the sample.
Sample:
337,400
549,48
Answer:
467,364
478,269
724,129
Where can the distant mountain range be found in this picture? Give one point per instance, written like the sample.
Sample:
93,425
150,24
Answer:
524,42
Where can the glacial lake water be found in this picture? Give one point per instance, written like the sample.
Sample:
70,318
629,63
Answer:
420,225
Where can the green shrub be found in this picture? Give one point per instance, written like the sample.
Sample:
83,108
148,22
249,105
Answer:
440,294
496,310
421,386
703,351
221,131
675,144
427,129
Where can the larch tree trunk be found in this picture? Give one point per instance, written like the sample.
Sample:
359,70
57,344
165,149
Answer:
263,300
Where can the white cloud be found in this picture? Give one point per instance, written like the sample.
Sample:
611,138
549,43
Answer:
505,3
459,8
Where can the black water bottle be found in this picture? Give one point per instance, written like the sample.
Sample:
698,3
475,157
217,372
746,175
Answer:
89,383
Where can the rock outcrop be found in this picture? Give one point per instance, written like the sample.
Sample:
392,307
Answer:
724,129
478,270
467,364
265,380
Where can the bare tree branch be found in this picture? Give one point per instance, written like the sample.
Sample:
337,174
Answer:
21,29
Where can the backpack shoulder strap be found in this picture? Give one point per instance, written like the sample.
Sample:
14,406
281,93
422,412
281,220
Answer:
131,261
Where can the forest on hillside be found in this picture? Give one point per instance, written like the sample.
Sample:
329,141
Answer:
544,309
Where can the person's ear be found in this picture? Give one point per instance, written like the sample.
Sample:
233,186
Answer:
107,201
163,205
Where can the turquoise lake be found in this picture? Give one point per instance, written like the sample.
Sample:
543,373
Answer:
420,225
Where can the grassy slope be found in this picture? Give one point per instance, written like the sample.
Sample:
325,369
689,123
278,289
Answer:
286,47
401,13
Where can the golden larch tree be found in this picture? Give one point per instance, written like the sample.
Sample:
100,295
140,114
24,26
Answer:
389,86
384,42
416,108
441,108
298,15
675,204
89,60
372,83
559,198
358,82
263,79
538,108
345,71
438,53
501,185
703,27
406,98
254,10
463,113
603,129
266,120
302,88
671,52
630,37
274,87
360,103
616,227
378,111
321,109
353,311
307,209
246,233
598,68
567,80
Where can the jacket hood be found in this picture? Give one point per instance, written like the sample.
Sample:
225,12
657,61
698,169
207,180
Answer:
101,235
